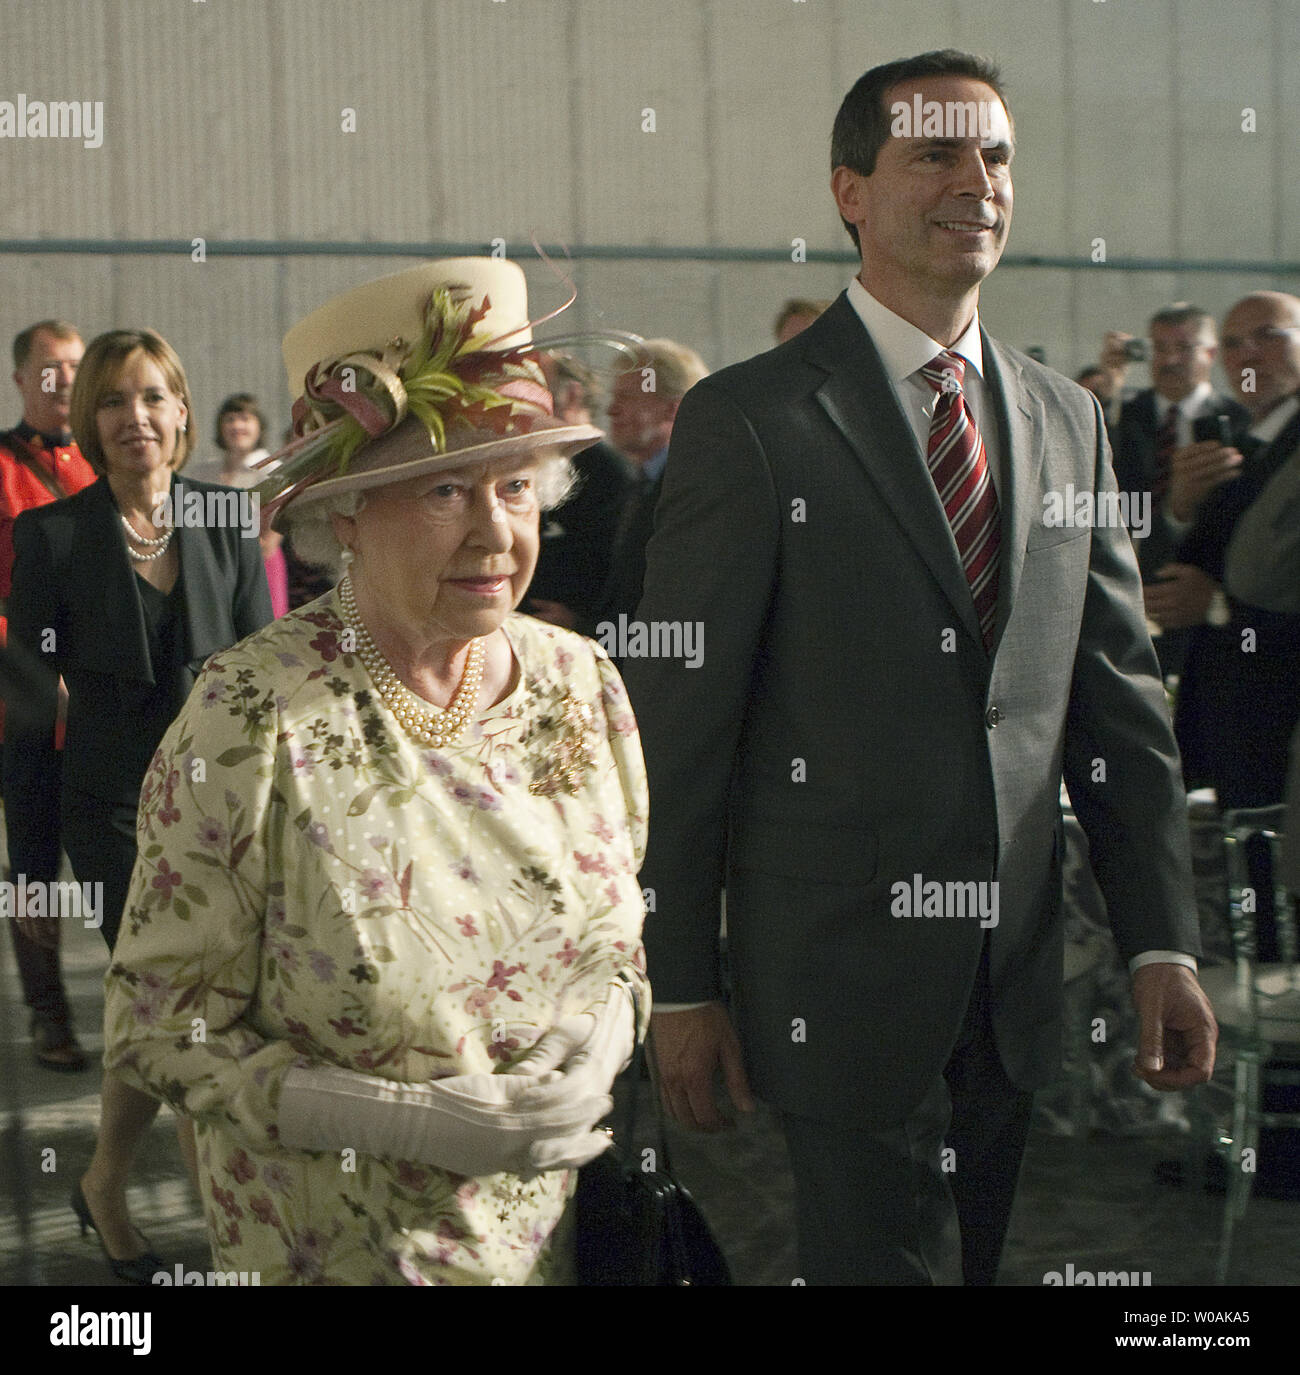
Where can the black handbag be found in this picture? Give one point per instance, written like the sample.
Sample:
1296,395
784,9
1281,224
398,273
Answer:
638,1226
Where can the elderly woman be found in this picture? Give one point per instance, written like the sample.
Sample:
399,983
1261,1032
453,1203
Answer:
385,925
126,606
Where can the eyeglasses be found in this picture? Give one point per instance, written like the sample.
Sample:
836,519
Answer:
1266,334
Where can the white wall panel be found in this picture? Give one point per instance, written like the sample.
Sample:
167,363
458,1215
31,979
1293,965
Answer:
1281,133
637,187
55,51
1225,192
773,107
478,119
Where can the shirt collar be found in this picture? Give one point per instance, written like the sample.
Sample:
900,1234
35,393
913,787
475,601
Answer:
1276,420
902,346
1190,405
46,441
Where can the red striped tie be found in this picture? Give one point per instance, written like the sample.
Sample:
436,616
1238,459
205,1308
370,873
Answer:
960,470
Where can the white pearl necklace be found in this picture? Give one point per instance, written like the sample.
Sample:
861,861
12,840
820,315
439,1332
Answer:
423,722
159,545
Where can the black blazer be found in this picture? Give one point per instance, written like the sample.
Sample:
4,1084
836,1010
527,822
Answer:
1237,709
577,542
74,607
622,590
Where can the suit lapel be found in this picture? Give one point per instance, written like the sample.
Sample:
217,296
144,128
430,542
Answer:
858,398
205,593
1274,455
1018,414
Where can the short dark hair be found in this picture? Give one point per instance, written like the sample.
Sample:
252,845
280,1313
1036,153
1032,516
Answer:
862,124
1181,313
241,402
23,341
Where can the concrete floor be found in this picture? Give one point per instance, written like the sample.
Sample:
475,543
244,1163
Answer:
1091,1201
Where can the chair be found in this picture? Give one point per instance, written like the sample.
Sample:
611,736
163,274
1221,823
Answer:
1257,1007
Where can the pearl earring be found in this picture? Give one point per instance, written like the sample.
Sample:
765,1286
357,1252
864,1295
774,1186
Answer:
346,557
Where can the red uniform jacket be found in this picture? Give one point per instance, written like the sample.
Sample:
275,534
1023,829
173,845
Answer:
21,489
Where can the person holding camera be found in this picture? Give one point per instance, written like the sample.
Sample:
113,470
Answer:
1162,448
1239,698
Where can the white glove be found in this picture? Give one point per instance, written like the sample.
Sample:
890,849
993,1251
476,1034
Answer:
471,1124
578,1060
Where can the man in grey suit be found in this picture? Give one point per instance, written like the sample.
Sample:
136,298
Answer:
869,755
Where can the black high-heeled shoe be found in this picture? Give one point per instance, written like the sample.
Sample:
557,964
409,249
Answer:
137,1270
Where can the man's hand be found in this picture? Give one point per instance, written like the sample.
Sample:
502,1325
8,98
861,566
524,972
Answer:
1176,1028
688,1046
1183,599
554,613
1195,471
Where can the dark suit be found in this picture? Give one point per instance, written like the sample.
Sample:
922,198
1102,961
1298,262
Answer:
1134,444
75,606
577,543
1262,569
622,590
847,729
1238,707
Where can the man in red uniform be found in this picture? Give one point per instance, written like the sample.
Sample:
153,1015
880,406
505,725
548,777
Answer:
39,462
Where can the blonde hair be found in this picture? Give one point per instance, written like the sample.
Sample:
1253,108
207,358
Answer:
677,368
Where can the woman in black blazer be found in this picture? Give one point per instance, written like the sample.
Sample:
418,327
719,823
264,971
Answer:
125,590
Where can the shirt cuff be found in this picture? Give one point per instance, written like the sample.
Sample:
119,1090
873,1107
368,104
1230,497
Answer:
1162,957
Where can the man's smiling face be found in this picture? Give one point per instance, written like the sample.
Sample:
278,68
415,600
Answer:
933,216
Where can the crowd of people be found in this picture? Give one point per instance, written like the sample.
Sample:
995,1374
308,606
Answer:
369,836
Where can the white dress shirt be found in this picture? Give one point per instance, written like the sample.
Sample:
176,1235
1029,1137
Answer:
905,350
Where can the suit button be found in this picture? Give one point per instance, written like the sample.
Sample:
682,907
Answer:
991,718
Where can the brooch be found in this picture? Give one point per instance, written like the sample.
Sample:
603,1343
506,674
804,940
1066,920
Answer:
572,756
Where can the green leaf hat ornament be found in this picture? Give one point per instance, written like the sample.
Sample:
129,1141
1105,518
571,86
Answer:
424,369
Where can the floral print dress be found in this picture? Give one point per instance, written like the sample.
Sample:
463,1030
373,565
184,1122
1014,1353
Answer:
313,887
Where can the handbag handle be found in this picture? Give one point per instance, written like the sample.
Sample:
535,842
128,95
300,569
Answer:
633,1071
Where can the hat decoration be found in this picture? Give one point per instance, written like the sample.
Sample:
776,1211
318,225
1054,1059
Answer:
449,377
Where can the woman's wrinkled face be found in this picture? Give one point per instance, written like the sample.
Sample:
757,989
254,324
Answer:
139,419
450,555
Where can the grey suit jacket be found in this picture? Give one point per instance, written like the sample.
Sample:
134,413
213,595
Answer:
847,731
1262,568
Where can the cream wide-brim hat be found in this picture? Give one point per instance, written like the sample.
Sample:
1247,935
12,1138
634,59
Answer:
375,315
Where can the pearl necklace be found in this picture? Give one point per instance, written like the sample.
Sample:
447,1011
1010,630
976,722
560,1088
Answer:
423,722
159,545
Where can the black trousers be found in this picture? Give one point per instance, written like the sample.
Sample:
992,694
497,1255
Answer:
99,837
40,973
924,1203
39,970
